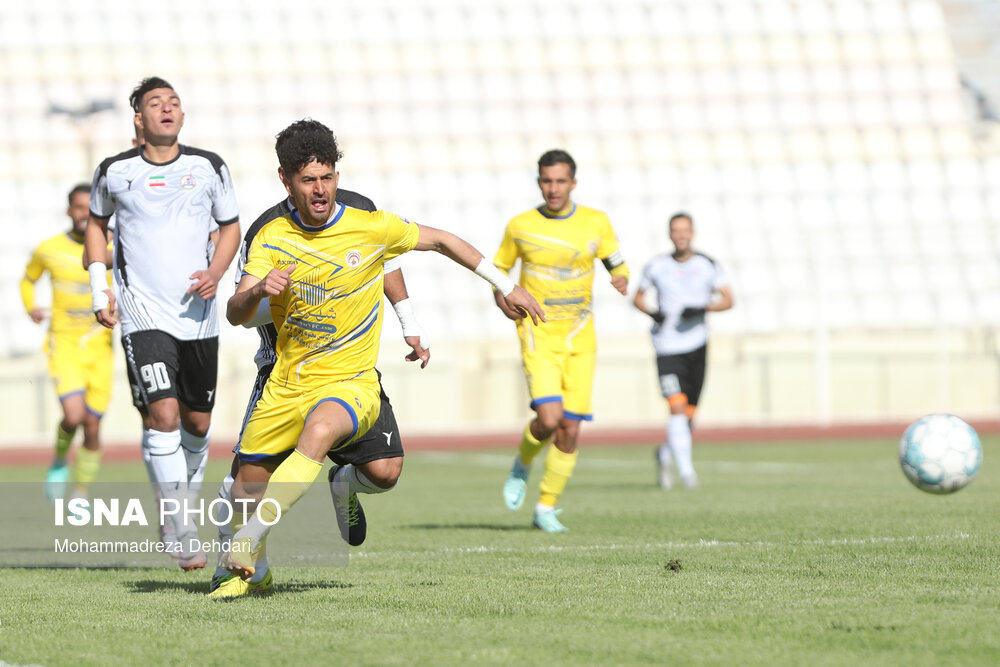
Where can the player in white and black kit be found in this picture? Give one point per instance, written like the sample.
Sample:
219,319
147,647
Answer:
166,198
374,462
688,284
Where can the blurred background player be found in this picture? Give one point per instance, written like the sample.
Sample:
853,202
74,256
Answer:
688,284
323,392
166,198
557,244
374,462
78,348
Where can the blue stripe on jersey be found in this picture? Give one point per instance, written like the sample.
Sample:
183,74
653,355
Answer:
366,324
297,219
576,416
545,212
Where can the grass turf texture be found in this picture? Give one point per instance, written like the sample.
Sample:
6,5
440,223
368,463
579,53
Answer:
790,554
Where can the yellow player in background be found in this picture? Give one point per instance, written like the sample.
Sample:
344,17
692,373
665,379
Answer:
78,348
557,244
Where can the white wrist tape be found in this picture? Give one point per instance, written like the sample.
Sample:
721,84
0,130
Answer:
408,322
98,283
495,277
262,315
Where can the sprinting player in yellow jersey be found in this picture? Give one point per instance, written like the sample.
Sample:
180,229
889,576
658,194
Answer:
557,244
321,266
78,348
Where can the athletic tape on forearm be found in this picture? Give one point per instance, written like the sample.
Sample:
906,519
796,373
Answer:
98,283
391,265
262,315
495,277
408,322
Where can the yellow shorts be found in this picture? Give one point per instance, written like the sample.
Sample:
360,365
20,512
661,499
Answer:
561,375
277,420
82,364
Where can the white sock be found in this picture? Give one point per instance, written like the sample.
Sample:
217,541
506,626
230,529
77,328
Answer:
221,513
196,456
167,469
679,430
542,508
663,452
356,481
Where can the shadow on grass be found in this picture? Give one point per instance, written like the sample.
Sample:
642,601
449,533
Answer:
201,587
466,526
157,585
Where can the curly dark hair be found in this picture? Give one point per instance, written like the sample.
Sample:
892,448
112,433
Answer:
146,85
306,141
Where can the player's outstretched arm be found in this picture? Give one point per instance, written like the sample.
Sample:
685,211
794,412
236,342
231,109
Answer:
463,253
95,244
394,287
242,306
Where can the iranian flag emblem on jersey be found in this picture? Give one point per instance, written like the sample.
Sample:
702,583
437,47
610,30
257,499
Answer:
157,181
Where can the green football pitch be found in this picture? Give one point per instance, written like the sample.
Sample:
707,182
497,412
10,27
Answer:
806,553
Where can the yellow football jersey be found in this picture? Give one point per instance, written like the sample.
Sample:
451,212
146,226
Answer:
330,320
557,256
61,257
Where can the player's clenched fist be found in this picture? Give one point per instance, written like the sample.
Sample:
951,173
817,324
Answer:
276,281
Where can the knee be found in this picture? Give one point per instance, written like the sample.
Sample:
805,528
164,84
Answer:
197,424
548,422
383,473
71,422
163,416
678,404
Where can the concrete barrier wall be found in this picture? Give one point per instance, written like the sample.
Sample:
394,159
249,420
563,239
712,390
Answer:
477,387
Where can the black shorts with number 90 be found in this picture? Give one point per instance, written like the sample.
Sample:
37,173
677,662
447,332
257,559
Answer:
160,366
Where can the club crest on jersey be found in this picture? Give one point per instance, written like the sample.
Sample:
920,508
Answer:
592,247
188,182
353,258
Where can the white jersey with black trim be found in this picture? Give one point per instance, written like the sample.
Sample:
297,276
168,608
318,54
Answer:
163,216
680,285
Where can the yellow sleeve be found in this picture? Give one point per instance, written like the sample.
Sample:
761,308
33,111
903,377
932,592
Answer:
608,251
259,260
507,252
401,236
32,273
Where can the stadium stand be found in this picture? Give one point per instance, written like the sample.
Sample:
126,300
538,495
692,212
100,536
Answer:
838,157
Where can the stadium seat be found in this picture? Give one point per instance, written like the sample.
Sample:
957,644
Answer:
775,122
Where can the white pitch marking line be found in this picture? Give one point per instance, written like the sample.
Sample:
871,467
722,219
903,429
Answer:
501,461
700,544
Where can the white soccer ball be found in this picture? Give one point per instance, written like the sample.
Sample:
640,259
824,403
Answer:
940,453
